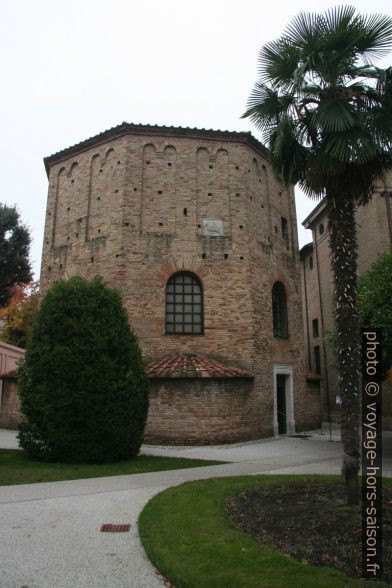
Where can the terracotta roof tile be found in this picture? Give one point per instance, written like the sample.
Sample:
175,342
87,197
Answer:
193,366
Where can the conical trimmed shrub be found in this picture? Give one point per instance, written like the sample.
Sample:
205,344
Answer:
82,385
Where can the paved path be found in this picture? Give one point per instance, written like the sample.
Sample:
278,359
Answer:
50,533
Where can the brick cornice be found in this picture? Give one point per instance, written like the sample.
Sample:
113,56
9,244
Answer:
162,131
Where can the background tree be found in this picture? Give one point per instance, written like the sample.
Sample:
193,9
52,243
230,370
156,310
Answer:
326,115
375,303
14,252
83,386
17,318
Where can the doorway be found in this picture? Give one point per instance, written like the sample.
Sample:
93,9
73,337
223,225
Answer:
283,399
281,403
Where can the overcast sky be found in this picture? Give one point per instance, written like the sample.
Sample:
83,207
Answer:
73,69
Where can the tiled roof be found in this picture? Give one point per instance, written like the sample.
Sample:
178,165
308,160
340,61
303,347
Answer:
193,366
128,128
9,374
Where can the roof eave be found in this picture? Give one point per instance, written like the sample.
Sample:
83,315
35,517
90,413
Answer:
314,215
196,377
139,129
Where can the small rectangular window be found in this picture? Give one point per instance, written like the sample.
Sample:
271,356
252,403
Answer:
279,311
285,230
315,326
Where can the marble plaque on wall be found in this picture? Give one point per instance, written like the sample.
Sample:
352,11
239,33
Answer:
212,227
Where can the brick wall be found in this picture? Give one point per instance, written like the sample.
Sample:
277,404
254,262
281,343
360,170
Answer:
186,412
131,206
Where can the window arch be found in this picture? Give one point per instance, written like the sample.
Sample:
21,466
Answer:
279,310
184,305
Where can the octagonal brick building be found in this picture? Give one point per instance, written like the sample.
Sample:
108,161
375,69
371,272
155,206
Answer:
200,239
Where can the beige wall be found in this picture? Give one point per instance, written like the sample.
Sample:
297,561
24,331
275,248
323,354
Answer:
10,415
9,400
374,236
9,357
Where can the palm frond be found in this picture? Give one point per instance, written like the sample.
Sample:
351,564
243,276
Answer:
322,170
355,145
288,155
303,30
376,38
278,62
338,19
335,114
266,106
324,109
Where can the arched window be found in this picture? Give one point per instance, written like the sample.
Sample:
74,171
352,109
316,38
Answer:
279,310
184,305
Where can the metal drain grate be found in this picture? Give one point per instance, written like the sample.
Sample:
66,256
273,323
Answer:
110,528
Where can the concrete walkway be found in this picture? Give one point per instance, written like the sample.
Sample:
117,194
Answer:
50,533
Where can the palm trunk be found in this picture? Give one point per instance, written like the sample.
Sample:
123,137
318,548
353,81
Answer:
343,245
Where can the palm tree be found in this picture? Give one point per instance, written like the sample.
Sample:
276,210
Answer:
325,112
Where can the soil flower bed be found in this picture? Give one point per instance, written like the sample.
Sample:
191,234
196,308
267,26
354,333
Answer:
310,522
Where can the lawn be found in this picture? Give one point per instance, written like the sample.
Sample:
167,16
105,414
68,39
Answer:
189,536
17,468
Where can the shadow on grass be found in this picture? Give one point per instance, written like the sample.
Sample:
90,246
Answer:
17,468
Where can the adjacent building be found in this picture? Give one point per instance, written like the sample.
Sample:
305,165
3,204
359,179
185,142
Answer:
10,356
374,231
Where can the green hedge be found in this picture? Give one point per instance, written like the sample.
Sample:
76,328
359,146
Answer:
83,386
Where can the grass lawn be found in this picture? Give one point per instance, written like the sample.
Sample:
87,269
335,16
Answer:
188,536
17,468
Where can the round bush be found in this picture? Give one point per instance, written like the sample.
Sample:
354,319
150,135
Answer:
82,385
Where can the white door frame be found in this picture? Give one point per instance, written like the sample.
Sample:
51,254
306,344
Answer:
285,370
